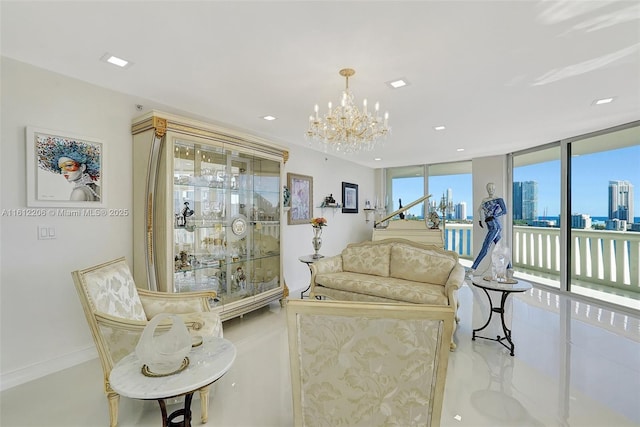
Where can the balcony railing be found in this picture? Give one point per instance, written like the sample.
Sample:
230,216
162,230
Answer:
601,257
459,238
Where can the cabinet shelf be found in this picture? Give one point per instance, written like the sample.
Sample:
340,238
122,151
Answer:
218,225
202,264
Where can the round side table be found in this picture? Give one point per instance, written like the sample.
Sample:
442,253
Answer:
207,363
505,289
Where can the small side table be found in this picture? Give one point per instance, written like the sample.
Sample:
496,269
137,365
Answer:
308,259
207,364
506,289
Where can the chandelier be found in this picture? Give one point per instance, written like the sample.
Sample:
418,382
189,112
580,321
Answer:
345,128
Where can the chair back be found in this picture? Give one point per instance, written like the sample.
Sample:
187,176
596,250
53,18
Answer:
108,294
109,289
368,364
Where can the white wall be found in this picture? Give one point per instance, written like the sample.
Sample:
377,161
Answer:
42,326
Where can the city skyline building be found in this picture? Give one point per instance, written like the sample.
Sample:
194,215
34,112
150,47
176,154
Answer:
621,200
460,210
582,221
525,200
616,224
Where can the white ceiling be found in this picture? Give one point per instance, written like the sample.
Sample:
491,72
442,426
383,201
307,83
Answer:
501,76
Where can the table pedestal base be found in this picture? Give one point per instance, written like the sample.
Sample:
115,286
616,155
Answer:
185,413
309,259
507,331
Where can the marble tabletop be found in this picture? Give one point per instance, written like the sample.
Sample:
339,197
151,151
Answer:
520,286
207,363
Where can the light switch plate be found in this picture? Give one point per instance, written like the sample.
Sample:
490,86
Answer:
46,233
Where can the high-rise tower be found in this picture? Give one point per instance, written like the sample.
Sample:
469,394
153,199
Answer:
525,200
621,200
517,200
460,210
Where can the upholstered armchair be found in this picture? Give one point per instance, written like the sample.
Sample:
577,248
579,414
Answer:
117,313
368,364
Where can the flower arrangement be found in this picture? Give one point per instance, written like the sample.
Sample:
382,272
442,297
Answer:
319,222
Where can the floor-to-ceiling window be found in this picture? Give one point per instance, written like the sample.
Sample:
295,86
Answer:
574,223
535,209
406,184
451,189
604,240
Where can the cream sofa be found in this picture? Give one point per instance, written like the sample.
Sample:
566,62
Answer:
391,270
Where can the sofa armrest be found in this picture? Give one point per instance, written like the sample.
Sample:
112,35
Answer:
456,278
454,282
324,265
327,265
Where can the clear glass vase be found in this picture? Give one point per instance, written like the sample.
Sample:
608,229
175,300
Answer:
317,241
164,353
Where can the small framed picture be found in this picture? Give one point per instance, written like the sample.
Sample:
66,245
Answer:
64,170
349,198
301,188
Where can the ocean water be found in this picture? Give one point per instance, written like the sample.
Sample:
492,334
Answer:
595,219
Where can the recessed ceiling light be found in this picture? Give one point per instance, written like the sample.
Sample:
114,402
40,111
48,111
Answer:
439,128
603,101
269,118
459,150
398,83
117,61
377,159
114,60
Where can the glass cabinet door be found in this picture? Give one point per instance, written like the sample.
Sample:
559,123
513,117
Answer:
199,198
226,231
264,217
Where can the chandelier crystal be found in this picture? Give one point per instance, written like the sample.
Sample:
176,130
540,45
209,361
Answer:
346,129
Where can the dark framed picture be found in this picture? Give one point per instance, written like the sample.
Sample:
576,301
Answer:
301,188
349,198
64,170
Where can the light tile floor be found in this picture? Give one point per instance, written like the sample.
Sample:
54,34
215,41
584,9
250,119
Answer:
575,365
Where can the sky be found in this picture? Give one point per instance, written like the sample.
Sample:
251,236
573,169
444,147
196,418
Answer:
590,183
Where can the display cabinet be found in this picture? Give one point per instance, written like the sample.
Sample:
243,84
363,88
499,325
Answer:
207,212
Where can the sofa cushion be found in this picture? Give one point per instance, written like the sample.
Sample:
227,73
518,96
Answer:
384,287
421,265
367,259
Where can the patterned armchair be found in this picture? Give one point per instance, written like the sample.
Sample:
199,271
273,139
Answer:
117,313
368,364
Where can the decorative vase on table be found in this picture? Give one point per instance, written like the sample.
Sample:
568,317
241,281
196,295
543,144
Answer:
317,224
317,241
164,354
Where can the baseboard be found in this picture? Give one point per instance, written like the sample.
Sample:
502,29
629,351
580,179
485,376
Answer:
39,370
